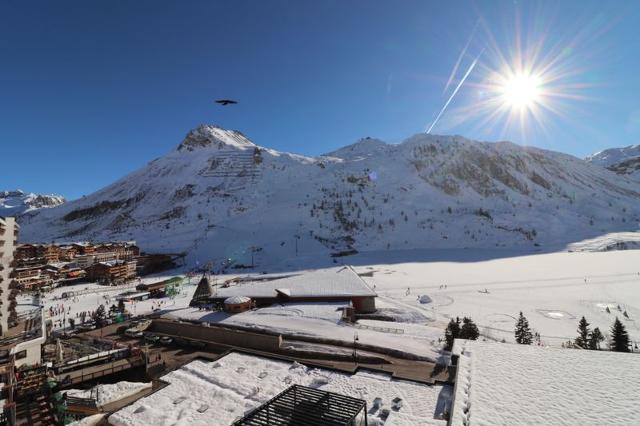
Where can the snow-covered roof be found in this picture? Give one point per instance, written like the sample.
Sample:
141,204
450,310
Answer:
332,282
228,388
236,300
510,384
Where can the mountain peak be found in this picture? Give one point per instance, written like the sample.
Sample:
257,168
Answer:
364,147
16,202
205,136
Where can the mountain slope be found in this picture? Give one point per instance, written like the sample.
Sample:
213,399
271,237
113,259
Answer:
15,203
221,196
612,156
623,161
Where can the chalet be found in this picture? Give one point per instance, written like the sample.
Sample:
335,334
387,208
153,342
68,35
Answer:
31,278
49,252
67,252
64,271
26,251
111,271
84,248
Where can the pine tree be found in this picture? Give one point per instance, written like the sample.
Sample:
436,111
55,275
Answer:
582,341
100,315
619,337
451,333
523,332
595,338
469,329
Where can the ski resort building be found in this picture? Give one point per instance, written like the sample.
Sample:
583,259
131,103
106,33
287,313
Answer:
8,286
112,271
21,336
326,285
511,384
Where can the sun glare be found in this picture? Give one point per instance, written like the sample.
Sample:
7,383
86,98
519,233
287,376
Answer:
521,90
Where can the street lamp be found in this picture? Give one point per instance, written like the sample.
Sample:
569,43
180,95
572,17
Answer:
355,347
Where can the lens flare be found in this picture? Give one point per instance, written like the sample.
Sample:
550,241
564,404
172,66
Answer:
521,90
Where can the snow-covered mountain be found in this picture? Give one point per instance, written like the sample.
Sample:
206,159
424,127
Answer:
218,196
15,203
624,161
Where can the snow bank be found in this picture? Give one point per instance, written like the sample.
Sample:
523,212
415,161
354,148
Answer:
111,392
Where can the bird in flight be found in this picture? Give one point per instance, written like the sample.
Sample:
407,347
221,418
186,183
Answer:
225,102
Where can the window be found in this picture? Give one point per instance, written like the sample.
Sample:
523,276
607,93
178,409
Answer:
21,354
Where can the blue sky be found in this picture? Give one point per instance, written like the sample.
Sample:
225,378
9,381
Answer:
90,91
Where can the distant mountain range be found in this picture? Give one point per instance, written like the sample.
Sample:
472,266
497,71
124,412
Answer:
624,161
218,195
17,202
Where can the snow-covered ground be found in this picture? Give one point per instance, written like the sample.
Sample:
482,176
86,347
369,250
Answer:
228,388
503,384
107,393
553,290
54,304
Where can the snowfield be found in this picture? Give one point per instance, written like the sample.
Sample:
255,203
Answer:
508,385
552,290
227,389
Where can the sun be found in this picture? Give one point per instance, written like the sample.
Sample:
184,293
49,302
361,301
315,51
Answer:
521,91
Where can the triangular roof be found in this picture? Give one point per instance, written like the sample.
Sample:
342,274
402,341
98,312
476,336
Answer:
203,291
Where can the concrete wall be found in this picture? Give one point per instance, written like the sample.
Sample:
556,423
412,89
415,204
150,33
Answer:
33,350
243,339
364,305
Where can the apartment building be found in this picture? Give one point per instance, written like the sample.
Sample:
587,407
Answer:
8,287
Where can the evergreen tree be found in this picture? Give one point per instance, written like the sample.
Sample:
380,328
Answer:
619,337
469,329
523,332
451,333
100,315
582,341
595,338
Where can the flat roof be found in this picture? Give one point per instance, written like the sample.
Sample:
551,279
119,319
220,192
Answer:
332,282
232,387
511,384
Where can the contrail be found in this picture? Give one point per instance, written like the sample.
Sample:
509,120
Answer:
471,67
464,51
